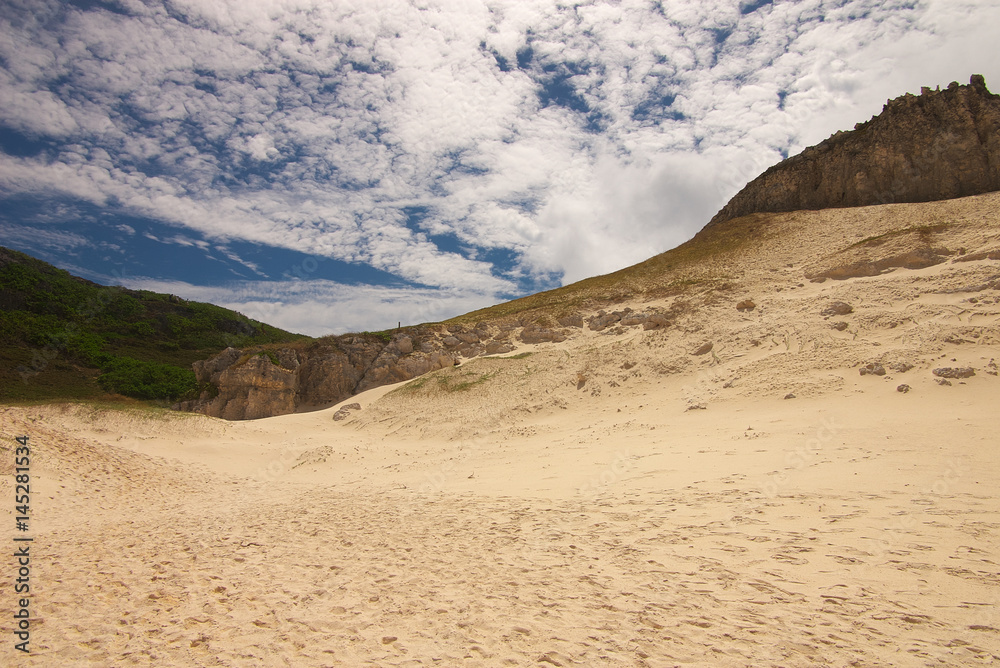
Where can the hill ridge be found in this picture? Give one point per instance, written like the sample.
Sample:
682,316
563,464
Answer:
938,145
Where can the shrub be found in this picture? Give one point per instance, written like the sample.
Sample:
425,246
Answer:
146,380
144,329
383,336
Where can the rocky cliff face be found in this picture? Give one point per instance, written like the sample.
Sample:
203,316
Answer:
937,145
262,382
276,380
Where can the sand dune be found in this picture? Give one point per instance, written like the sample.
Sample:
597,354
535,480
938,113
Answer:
612,500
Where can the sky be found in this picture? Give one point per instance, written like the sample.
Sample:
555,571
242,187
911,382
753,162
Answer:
329,166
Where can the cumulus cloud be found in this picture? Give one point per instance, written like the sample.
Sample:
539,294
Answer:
323,307
577,138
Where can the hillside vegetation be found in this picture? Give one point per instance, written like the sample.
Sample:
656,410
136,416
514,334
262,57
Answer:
63,337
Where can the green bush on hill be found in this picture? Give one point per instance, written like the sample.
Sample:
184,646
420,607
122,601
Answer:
146,380
60,335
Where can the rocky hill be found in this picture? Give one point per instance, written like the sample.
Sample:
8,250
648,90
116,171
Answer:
956,152
937,145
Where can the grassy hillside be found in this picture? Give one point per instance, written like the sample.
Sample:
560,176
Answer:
696,264
63,337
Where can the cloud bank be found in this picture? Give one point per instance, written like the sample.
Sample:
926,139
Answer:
474,150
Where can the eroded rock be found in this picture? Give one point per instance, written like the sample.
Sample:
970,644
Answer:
837,308
952,372
344,412
656,321
633,319
704,349
541,335
938,145
603,320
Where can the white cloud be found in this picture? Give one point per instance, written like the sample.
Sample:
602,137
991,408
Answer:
312,126
322,307
21,237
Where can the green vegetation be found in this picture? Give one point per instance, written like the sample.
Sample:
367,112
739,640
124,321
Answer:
414,385
62,337
271,355
465,380
385,336
448,380
146,380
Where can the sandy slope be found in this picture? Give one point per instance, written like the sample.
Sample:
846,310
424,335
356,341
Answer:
569,507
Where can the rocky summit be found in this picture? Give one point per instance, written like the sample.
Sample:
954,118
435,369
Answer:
938,145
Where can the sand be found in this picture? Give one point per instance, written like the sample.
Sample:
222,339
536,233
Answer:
612,500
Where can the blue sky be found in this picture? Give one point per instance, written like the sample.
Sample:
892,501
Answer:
330,166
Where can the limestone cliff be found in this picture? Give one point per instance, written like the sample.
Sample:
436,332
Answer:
938,145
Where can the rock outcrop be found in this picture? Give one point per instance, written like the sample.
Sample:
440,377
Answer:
938,145
275,380
249,384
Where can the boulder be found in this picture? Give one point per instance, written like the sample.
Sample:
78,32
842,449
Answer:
656,321
253,388
633,319
603,320
837,308
575,320
392,367
251,385
498,347
951,372
541,335
205,371
704,349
